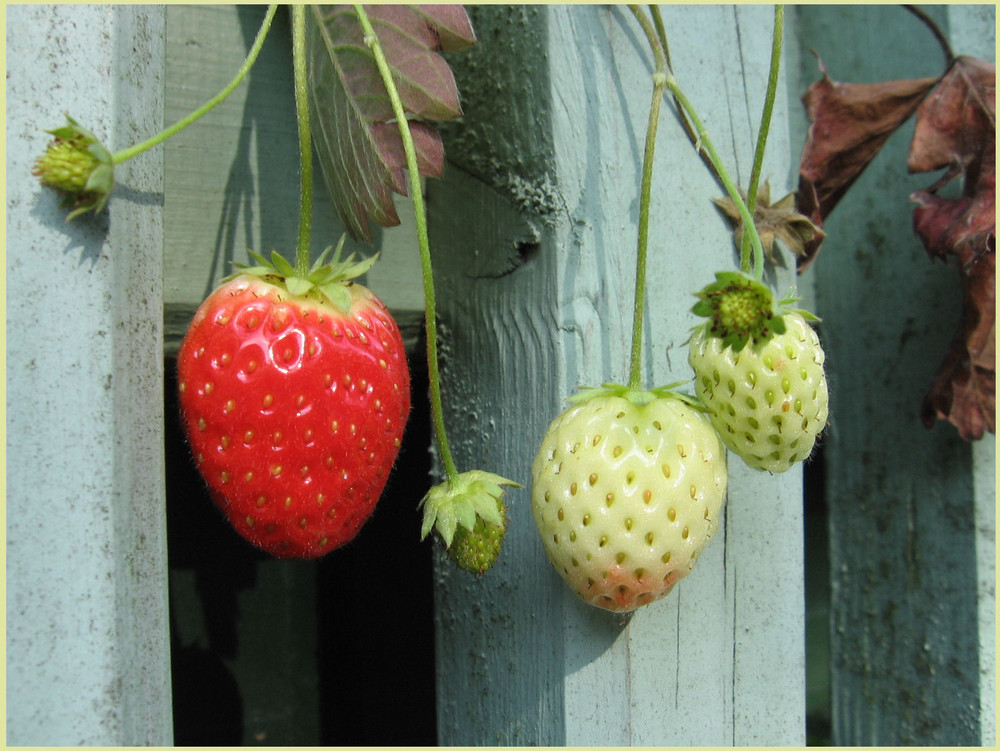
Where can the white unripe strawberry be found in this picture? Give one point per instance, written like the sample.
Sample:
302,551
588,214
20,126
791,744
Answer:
759,372
627,489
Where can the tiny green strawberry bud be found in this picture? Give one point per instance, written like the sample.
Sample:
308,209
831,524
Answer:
65,166
476,550
77,165
469,517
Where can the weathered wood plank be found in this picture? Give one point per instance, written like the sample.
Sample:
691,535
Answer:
87,635
972,31
905,643
553,136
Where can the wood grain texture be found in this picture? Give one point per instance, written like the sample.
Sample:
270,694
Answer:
972,29
906,667
520,659
86,601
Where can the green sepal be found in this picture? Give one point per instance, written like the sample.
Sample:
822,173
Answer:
741,310
470,499
282,266
327,282
78,166
636,397
298,286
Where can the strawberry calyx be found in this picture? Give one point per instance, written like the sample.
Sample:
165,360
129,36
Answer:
323,282
635,396
79,166
468,515
742,310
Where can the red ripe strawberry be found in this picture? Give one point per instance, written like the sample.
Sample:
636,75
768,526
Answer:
294,405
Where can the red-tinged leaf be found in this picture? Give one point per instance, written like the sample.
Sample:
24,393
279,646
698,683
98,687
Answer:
956,131
430,151
850,123
451,23
964,391
356,136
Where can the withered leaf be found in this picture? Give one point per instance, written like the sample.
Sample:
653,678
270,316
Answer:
357,140
956,131
964,390
850,123
779,223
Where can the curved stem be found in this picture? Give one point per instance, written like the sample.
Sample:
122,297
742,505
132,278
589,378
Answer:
300,71
765,125
639,308
703,142
661,33
727,181
433,373
942,40
163,135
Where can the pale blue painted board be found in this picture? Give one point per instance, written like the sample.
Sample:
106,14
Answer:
553,136
87,635
909,591
972,31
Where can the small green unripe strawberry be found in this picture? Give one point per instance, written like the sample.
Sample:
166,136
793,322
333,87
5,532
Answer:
65,165
469,517
759,370
76,164
476,550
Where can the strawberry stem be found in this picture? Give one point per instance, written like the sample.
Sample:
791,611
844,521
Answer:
305,139
765,125
433,373
639,309
163,135
704,143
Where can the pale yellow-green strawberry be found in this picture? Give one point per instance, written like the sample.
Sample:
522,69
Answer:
628,487
759,370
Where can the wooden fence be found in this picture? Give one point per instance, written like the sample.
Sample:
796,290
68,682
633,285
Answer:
533,232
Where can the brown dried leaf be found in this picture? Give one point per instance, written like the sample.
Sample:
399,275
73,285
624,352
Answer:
849,125
964,391
778,222
956,131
